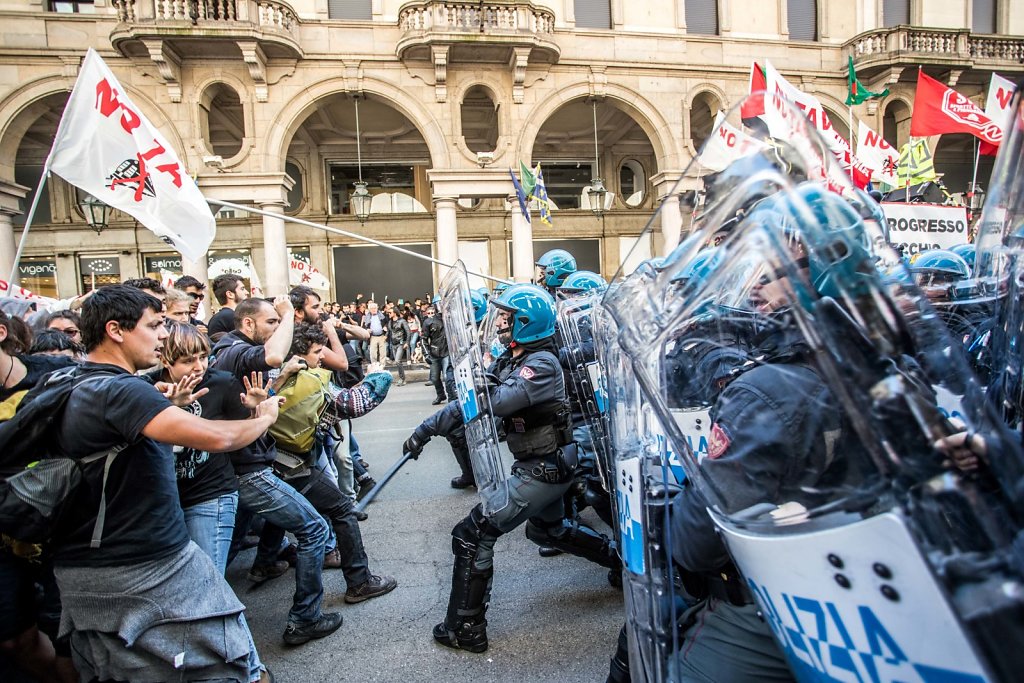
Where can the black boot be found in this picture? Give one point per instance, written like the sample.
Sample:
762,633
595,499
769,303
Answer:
576,539
464,627
460,448
618,668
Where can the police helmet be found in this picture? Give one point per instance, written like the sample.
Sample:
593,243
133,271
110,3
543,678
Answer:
436,300
533,312
581,281
966,252
557,265
479,304
499,288
937,271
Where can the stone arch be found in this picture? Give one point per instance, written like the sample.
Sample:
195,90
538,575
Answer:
646,115
13,124
904,105
284,126
245,94
493,87
701,91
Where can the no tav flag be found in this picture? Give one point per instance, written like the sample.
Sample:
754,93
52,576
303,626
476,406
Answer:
939,109
105,146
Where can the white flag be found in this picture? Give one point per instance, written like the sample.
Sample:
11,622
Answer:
302,272
997,107
105,146
779,127
727,144
877,154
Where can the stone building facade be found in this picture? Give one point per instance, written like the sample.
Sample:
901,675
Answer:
260,99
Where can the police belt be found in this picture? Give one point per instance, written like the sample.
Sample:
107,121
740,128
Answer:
542,470
727,585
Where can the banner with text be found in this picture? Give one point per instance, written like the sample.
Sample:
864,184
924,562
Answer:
920,227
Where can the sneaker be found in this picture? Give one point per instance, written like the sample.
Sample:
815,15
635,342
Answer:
374,587
462,482
332,560
271,571
364,487
400,383
328,623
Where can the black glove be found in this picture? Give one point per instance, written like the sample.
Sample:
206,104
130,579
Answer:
414,445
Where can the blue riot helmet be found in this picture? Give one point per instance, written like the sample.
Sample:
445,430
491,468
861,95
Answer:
479,303
582,281
937,271
436,300
966,252
484,292
554,266
499,288
533,313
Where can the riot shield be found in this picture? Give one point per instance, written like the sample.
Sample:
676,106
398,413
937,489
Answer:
646,476
489,469
876,535
589,390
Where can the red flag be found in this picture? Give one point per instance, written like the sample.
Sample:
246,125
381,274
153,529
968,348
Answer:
754,106
939,109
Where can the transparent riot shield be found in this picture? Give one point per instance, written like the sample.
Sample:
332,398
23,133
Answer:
646,476
464,349
877,536
577,347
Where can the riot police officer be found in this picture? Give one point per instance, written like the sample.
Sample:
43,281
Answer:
528,396
457,438
553,267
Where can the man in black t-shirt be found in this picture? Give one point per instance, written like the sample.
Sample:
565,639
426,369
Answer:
135,559
229,290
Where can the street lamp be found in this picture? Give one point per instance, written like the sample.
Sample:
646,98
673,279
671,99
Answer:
597,190
360,199
95,212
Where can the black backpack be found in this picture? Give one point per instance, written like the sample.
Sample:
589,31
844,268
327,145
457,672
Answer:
35,480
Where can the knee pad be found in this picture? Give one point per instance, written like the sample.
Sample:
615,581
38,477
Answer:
468,533
543,533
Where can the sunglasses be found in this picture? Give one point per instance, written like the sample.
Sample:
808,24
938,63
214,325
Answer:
197,297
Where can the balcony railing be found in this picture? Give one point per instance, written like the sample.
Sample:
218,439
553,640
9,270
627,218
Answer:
486,18
909,45
478,30
233,19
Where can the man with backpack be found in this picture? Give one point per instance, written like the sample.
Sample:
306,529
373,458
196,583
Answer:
140,600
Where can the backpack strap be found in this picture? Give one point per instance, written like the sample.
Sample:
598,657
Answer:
101,515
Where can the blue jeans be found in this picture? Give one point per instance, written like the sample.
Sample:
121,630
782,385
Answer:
285,508
210,525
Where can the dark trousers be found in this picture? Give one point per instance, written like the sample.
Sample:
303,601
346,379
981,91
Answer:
326,497
437,369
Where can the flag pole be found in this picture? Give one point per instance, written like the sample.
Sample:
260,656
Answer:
28,222
974,181
363,238
853,138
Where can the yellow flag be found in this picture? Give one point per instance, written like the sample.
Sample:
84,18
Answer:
916,164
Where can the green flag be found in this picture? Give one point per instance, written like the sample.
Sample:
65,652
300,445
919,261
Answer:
528,179
857,92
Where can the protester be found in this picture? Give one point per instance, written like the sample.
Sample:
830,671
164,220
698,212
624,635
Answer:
140,600
147,285
398,334
177,304
65,321
56,343
229,290
376,322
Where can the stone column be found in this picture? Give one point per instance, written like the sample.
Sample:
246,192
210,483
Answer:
522,244
275,246
447,236
671,224
200,270
10,193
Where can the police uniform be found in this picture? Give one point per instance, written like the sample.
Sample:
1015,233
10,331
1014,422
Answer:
775,433
529,398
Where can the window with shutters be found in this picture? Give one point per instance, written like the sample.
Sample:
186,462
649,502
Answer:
895,13
358,10
702,17
803,19
983,16
593,13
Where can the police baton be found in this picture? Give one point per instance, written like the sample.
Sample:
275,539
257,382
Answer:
361,505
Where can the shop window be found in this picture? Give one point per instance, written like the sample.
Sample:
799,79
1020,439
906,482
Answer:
99,271
38,274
